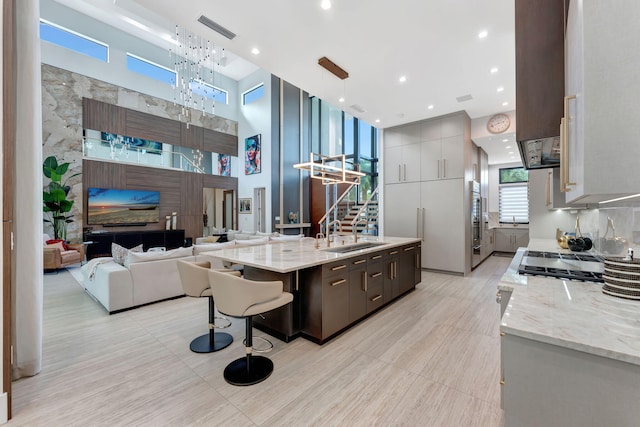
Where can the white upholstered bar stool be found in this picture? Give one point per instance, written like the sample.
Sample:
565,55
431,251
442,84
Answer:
195,282
238,297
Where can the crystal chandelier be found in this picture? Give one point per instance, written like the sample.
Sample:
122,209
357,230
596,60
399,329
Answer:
194,60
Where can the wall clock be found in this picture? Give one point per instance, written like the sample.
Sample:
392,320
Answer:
498,123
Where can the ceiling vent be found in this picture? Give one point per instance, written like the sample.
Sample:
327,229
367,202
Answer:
358,108
463,98
216,27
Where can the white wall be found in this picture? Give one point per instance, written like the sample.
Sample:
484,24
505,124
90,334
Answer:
115,71
542,221
253,119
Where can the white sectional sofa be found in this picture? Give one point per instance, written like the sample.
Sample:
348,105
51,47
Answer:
150,276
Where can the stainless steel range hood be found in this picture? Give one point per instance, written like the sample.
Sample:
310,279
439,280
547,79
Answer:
540,153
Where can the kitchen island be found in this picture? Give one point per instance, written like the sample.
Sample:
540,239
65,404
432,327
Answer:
570,354
333,287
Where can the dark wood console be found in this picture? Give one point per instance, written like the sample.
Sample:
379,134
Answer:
101,241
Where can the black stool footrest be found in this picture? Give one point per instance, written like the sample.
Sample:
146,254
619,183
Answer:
237,373
205,343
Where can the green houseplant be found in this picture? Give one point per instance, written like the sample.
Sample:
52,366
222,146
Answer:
56,206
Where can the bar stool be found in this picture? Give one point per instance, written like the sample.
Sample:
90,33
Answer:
195,283
239,297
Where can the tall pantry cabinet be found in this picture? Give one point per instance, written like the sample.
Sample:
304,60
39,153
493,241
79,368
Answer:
427,171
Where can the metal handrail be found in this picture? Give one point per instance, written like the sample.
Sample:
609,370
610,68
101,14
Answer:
120,147
335,205
364,206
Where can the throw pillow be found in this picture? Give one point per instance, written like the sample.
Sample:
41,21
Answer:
57,245
53,241
211,239
119,253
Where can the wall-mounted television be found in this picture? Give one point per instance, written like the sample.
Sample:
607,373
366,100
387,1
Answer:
110,206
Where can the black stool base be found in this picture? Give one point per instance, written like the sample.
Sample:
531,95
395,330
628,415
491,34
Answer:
203,343
236,372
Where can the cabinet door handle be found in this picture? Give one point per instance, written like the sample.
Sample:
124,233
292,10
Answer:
376,298
338,282
409,249
391,271
366,281
374,275
444,168
338,267
405,171
417,260
417,222
376,257
564,159
438,168
360,261
399,172
395,269
393,253
423,215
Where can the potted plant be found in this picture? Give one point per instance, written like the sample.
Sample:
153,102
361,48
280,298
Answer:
56,206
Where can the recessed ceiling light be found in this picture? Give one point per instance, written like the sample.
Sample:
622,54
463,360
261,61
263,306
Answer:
507,147
510,152
430,107
341,99
255,51
505,103
482,34
403,79
505,140
494,70
500,89
326,4
377,120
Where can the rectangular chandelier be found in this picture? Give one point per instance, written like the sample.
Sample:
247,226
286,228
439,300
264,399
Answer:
331,169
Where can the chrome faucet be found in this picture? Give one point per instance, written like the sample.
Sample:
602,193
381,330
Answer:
355,228
334,223
321,236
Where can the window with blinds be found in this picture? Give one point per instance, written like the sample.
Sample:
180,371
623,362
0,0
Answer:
514,203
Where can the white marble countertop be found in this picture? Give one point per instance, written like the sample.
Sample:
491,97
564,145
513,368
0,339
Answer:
287,256
570,314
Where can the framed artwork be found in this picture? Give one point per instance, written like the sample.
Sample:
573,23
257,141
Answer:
245,206
252,155
224,165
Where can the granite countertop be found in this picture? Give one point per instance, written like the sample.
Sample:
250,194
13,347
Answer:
571,314
288,256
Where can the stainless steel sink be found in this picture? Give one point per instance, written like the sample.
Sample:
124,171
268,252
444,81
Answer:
354,247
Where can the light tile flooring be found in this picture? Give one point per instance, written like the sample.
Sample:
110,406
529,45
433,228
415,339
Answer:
429,359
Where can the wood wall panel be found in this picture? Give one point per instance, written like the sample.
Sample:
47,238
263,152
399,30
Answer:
147,126
192,136
223,182
191,194
104,117
103,174
219,142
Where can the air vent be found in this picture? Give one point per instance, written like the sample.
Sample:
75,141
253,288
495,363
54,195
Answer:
358,108
463,98
216,27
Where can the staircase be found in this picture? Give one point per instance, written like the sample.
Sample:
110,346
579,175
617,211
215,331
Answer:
349,213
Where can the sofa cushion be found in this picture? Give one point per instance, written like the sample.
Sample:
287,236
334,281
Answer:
286,237
253,242
205,247
57,245
54,241
136,257
119,253
210,239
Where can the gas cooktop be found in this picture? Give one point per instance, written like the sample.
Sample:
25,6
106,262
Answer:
570,266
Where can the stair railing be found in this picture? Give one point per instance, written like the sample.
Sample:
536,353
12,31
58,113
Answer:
333,208
364,209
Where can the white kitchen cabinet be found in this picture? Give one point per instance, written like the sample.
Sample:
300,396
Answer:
602,103
554,198
443,158
510,239
402,210
548,385
443,233
402,163
488,243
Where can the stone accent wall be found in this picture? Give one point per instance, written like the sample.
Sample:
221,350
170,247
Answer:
62,93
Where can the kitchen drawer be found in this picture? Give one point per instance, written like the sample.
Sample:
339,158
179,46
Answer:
336,268
376,257
375,288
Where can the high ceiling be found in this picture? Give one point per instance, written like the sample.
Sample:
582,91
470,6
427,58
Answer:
435,44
